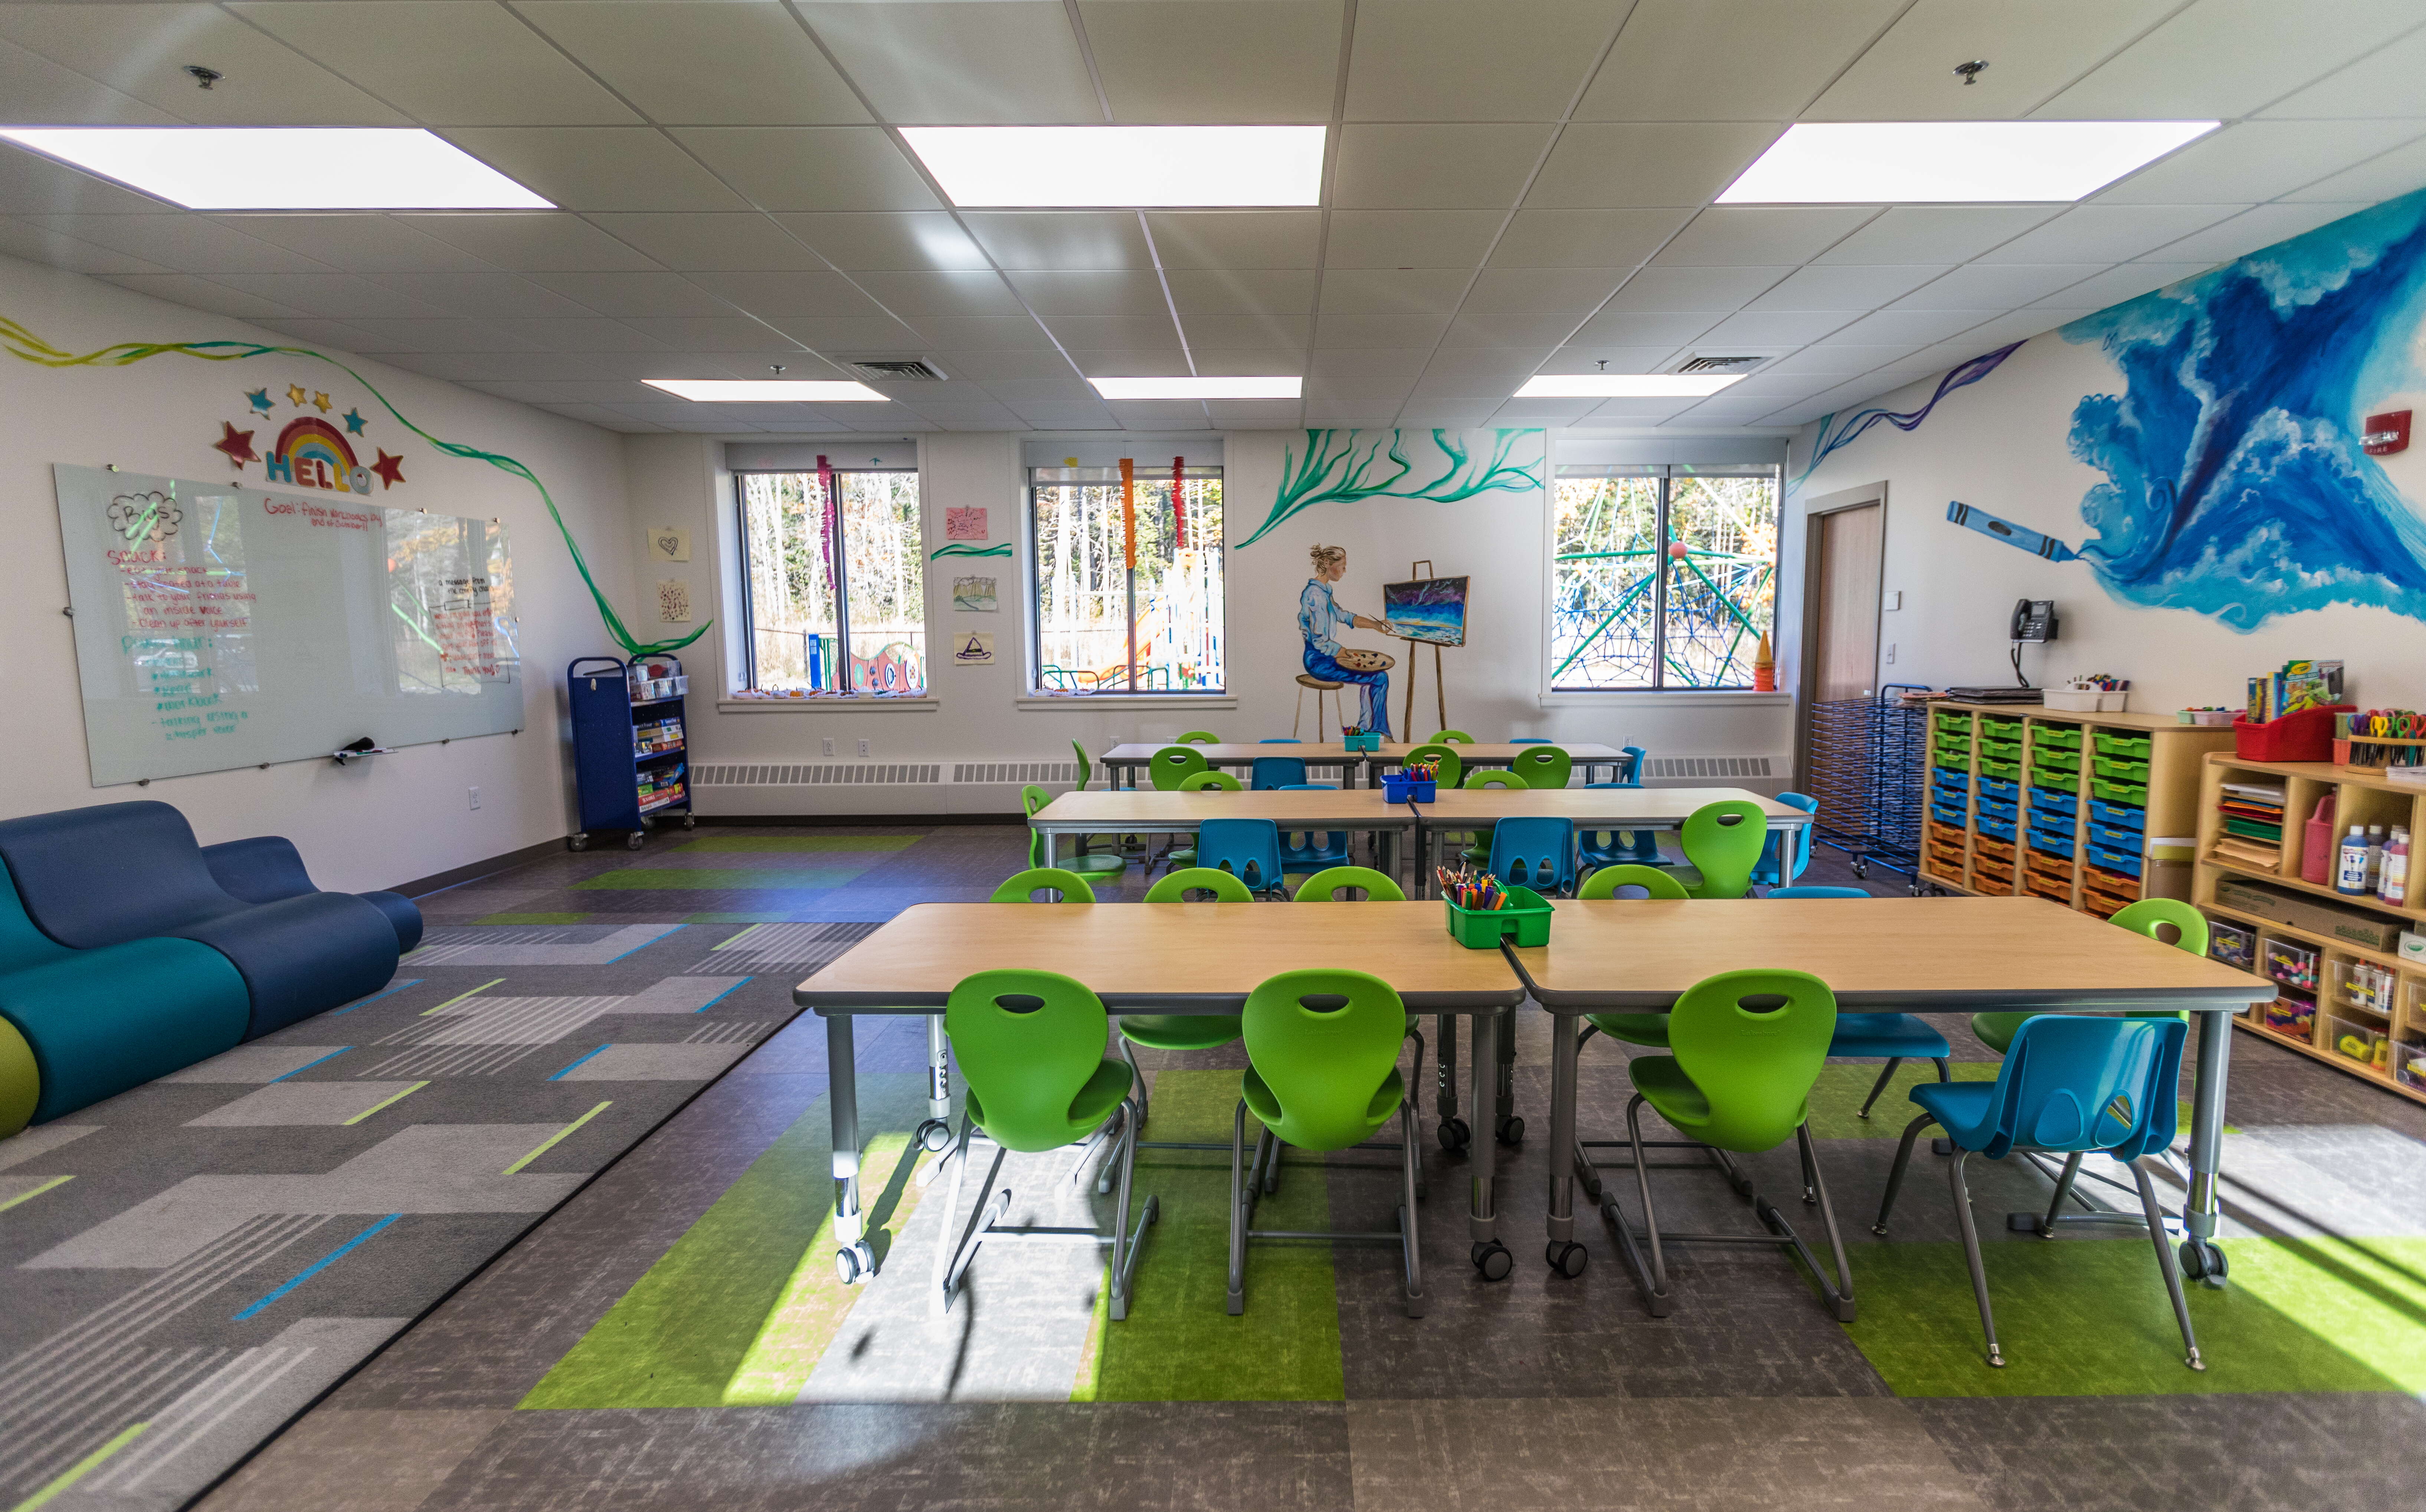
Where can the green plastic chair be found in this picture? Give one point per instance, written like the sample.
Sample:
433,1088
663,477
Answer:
1130,845
1323,887
1022,887
1175,886
1723,843
1175,765
1199,737
1201,780
1181,1031
1493,777
1996,1030
1747,1049
1457,737
1452,766
1322,1074
1543,765
1603,883
1030,1046
1085,865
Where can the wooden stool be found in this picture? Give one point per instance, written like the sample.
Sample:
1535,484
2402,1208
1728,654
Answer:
1305,681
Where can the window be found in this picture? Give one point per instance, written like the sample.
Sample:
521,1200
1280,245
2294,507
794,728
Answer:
835,567
1128,586
1662,576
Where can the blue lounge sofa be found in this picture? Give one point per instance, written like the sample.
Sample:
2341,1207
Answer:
127,949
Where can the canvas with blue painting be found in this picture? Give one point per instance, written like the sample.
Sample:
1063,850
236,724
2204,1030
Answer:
1429,609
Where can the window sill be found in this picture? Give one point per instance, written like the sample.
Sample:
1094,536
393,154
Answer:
1080,702
1679,698
830,705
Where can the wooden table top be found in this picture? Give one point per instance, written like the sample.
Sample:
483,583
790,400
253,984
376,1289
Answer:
1911,954
1331,753
1591,805
1147,808
1161,957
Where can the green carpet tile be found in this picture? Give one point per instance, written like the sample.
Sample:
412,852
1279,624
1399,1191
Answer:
794,843
1836,1097
2089,1317
723,877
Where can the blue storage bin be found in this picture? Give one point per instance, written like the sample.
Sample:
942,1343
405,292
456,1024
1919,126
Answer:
1947,813
2055,843
2113,838
2055,800
1997,828
2119,816
2005,808
1996,788
1950,779
2126,861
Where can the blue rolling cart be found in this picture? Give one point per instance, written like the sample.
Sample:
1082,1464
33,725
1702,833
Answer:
630,758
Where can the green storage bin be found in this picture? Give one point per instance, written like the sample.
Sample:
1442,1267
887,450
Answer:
2062,781
2057,737
2111,743
1956,724
1526,920
2062,761
2003,750
2136,794
2122,771
2003,727
2002,771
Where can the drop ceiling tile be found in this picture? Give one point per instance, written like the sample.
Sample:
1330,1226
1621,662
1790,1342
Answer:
1740,236
597,168
523,392
1242,291
634,294
1585,238
1249,61
2396,174
861,337
586,365
1150,415
1573,290
1775,388
1430,59
2259,160
1773,330
1288,331
745,242
1585,357
202,293
958,292
604,418
1633,327
334,296
2252,229
1235,238
443,62
142,50
1067,389
450,335
1936,234
887,242
1061,238
333,334
1904,328
526,242
1371,332
1371,395
1681,289
1823,287
1380,367
455,367
2117,284
1411,238
1599,164
2390,80
1473,329
1248,362
2109,233
1150,361
1435,167
2031,51
2021,325
822,295
1427,412
1544,411
700,334
181,243
1067,416
39,244
760,363
1253,414
1636,411
745,62
944,64
358,243
989,367
1114,332
1481,371
1728,60
31,185
953,334
1092,292
1347,416
1393,291
40,89
1996,286
811,168
590,335
2223,58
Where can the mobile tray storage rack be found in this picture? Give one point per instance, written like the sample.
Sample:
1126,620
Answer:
629,744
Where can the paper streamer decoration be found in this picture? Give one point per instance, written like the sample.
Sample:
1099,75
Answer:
2011,534
1859,421
961,548
25,346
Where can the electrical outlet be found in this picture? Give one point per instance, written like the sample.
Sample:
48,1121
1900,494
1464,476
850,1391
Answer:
1890,653
1895,600
863,748
830,745
476,797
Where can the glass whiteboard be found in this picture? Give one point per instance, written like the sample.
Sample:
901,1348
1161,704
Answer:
218,626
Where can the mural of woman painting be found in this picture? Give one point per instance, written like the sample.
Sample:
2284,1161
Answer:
1317,616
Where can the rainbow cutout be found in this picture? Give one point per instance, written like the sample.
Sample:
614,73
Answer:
312,454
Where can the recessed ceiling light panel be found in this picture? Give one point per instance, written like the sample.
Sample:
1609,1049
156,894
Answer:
1938,162
768,391
1625,385
1197,388
284,168
1121,167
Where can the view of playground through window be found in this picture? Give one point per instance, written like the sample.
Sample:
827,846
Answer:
1128,584
1666,576
834,562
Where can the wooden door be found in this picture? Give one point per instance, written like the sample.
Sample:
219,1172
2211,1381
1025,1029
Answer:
1844,656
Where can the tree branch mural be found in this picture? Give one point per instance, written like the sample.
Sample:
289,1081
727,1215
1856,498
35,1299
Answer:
1348,466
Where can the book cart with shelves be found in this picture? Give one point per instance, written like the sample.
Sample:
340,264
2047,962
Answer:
630,746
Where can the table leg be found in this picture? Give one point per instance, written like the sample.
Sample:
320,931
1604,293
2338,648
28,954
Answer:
854,1261
2202,1204
936,1134
1562,1131
1052,848
1483,1219
1505,1125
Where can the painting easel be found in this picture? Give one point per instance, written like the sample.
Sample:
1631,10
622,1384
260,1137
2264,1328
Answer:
1440,689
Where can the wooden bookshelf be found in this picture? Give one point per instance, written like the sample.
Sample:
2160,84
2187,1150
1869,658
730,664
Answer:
2360,797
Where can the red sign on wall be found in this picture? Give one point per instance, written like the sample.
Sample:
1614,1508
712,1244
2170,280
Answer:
2385,434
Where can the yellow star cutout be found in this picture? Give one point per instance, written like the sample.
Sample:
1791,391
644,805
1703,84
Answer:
321,400
296,395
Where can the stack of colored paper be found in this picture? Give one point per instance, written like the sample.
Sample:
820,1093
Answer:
2253,824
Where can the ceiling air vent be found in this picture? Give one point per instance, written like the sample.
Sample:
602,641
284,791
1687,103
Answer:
897,370
1698,363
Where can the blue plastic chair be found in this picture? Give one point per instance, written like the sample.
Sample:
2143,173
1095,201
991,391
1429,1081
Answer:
1249,849
1894,1037
1538,853
1322,849
1528,740
2070,1085
1280,740
1270,773
1622,848
1766,870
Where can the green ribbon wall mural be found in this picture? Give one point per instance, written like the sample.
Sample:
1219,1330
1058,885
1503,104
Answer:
1346,466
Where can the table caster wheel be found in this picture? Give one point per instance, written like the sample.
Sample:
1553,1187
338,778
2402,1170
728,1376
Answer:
854,1264
1566,1258
1454,1135
689,823
1494,1260
576,843
935,1135
1510,1130
632,840
1860,866
2204,1261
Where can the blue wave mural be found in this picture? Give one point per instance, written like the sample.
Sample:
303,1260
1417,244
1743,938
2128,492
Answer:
2235,483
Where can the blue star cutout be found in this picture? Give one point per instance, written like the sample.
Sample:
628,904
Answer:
353,422
259,399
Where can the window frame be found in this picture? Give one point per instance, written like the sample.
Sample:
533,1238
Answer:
1660,690
838,572
1033,586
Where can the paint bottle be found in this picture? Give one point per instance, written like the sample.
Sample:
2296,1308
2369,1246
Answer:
2349,875
2374,855
2393,886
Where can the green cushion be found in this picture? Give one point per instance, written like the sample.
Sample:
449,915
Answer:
100,1022
1180,1031
20,1081
1634,1028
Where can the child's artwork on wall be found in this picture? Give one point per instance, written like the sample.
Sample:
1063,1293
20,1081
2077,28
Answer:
974,595
964,523
1429,609
667,544
673,602
973,648
1443,466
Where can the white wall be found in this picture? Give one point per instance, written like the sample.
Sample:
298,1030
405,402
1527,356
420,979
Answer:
375,823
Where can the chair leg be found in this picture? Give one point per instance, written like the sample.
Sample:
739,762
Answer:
1411,1190
939,1300
2062,1190
1810,1173
1895,1174
1843,1300
1137,1077
1880,1085
1413,1091
1123,1260
2157,1237
1971,1253
987,1211
1238,1209
1642,1183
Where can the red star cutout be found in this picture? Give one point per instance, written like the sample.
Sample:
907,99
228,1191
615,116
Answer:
390,469
236,444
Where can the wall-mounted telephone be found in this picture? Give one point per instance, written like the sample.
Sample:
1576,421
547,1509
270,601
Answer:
2034,620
